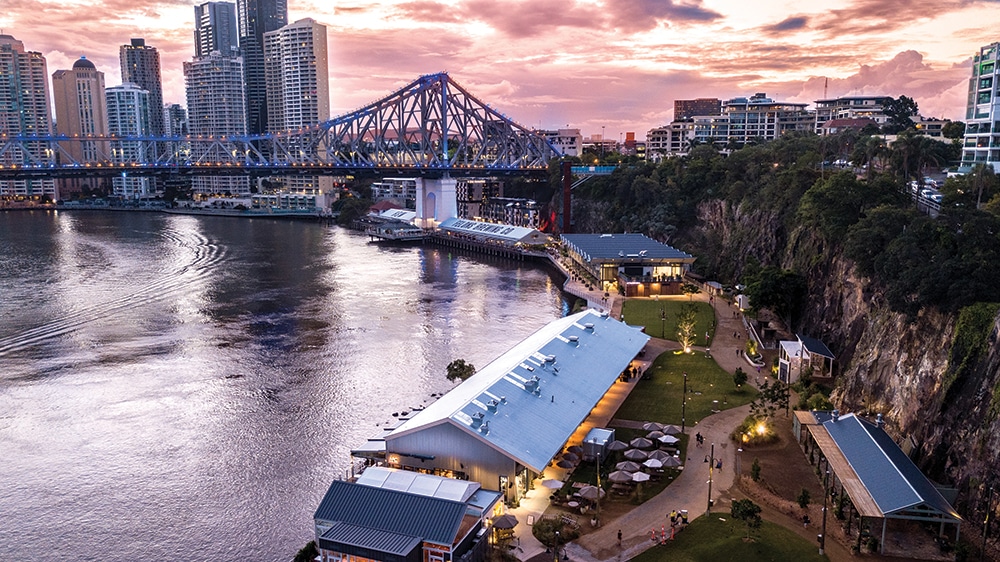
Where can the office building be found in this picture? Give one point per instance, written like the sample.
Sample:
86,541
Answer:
215,97
175,120
24,110
129,113
78,96
215,29
686,109
569,142
140,65
298,89
257,17
982,116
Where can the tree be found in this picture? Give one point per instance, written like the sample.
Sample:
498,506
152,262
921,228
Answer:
739,377
690,289
953,130
803,498
747,512
772,397
898,111
460,370
686,323
779,290
307,552
755,470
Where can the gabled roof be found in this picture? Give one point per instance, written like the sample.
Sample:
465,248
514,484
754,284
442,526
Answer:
813,345
894,482
622,247
530,400
417,483
412,515
504,232
374,539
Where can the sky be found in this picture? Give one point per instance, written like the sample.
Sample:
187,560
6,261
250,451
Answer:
601,65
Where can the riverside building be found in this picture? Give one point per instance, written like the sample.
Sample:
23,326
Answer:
129,116
81,110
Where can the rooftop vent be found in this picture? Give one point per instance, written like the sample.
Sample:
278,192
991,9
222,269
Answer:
503,399
491,405
531,383
836,415
477,419
589,326
485,428
550,358
879,422
573,339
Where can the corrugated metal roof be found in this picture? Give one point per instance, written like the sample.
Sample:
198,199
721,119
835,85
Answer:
504,232
432,519
366,537
417,483
615,246
815,346
526,405
893,481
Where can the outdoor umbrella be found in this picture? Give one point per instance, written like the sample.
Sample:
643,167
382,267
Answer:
628,466
640,477
668,439
617,445
620,476
659,455
653,463
635,455
651,426
590,492
506,521
671,429
641,443
672,462
575,449
552,483
565,464
570,457
654,435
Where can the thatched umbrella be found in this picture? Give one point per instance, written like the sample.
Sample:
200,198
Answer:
635,455
620,476
628,466
641,443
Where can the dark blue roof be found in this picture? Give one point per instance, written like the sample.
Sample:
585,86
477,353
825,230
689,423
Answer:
403,513
893,481
374,539
622,246
813,345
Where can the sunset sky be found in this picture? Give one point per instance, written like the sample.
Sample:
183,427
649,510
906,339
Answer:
617,64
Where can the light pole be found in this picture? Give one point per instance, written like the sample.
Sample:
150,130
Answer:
822,536
602,141
684,399
663,322
556,559
711,465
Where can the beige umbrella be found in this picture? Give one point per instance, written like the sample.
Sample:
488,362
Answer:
654,435
552,483
659,455
668,440
641,443
628,466
590,492
640,477
653,463
620,476
635,455
671,429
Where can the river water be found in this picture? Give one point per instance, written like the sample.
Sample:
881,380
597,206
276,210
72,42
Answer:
185,388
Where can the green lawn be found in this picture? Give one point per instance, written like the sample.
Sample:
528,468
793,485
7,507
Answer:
659,399
711,540
651,313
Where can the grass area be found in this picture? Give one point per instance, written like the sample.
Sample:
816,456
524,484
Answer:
711,540
659,398
651,313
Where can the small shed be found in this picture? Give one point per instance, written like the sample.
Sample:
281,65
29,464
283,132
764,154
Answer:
801,355
596,443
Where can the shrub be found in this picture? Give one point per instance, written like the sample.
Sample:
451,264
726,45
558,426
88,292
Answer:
803,498
755,470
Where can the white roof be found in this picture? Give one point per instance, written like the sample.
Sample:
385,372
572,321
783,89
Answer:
398,214
418,483
503,232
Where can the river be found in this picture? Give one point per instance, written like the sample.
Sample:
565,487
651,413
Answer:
185,387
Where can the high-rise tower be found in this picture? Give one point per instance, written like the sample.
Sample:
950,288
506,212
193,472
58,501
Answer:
983,110
257,17
141,66
78,95
24,110
215,28
130,114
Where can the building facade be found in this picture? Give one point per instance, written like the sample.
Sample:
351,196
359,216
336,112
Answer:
129,116
175,120
215,29
257,17
215,96
569,142
850,107
79,99
760,118
686,109
140,65
982,115
24,110
296,73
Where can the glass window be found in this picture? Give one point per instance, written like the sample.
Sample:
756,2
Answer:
986,82
984,97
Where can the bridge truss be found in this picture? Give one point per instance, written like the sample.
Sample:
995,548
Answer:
431,127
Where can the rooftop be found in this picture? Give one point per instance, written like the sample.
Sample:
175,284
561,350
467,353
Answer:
632,247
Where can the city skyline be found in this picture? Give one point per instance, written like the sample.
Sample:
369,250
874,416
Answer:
615,68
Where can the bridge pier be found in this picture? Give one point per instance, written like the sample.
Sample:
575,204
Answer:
436,201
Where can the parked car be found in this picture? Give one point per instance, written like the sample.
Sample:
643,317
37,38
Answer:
936,197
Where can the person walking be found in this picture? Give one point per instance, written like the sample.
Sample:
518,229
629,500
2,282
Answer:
619,538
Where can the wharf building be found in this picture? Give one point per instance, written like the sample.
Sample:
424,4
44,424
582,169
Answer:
79,99
633,264
505,424
982,115
129,116
24,110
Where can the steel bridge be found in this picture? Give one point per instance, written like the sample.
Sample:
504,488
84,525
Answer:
432,127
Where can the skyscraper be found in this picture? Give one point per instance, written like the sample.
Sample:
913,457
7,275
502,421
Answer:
24,110
175,120
983,110
78,95
141,66
257,17
298,86
215,96
215,28
129,114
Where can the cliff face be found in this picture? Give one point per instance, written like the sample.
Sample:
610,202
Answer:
886,362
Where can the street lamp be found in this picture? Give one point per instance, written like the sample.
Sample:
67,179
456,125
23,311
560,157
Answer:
822,536
556,559
711,465
598,511
684,399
